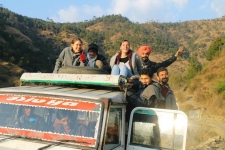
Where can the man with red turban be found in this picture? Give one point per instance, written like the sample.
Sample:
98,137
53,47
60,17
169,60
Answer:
144,52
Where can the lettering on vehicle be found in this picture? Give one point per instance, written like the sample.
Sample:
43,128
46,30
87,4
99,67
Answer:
50,102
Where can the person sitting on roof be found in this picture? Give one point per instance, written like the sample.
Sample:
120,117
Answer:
71,56
125,62
166,96
145,51
150,93
136,87
95,59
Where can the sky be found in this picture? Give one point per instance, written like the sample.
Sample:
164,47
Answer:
135,10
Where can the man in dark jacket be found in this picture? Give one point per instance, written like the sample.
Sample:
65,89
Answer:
144,52
164,95
95,59
138,85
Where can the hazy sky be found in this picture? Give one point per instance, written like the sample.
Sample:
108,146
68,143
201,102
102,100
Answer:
135,10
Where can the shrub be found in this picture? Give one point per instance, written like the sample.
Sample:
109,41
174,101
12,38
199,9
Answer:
219,87
214,48
223,95
194,67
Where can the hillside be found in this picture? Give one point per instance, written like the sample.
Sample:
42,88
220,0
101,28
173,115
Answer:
207,88
23,40
205,96
10,74
32,45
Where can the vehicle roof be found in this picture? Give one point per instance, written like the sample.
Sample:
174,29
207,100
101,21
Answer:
89,93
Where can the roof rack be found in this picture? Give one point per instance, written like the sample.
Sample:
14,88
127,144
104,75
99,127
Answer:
79,79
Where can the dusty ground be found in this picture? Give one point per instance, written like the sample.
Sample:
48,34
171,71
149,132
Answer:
206,133
203,129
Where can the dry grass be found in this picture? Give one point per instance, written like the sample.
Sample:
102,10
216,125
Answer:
185,108
198,133
99,26
10,74
202,87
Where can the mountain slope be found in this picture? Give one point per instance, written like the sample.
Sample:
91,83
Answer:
10,74
207,89
34,44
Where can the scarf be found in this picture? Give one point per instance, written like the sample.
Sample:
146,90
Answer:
91,61
76,58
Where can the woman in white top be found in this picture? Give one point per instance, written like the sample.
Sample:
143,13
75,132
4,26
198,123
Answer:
125,62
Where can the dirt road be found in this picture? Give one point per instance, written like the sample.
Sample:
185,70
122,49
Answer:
202,135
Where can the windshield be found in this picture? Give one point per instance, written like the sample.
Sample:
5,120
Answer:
50,118
164,129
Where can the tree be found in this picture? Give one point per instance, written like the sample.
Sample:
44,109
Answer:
214,48
194,67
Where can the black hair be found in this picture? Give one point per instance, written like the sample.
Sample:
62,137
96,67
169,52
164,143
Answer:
161,69
62,113
30,107
93,46
146,71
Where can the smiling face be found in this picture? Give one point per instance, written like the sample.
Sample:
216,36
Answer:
145,79
125,47
163,77
92,53
144,55
76,46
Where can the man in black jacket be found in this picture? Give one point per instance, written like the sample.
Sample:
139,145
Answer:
95,59
137,86
135,90
144,52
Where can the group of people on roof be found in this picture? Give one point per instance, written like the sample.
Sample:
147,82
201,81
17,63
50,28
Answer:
74,55
143,91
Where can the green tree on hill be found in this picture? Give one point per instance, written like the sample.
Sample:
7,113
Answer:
214,48
194,67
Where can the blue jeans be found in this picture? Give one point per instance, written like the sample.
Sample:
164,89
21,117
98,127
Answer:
121,70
